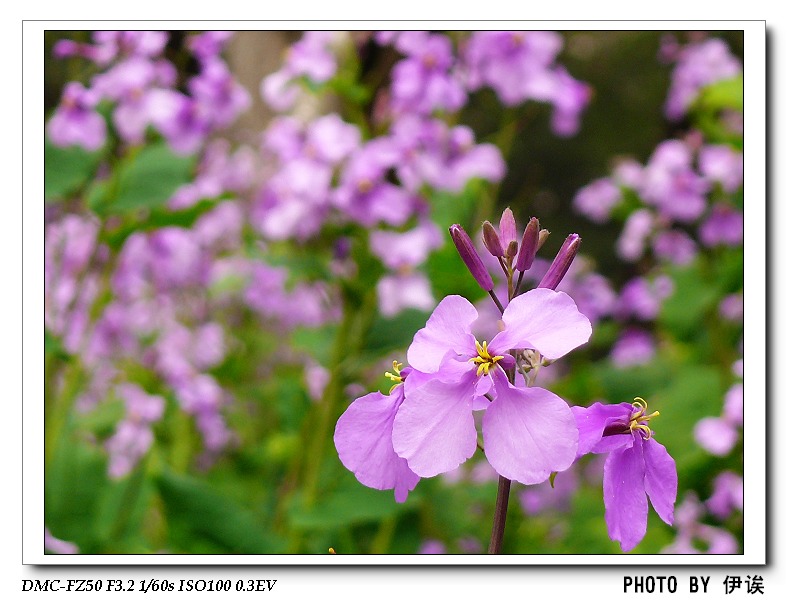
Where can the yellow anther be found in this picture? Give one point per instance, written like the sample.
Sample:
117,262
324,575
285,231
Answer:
484,359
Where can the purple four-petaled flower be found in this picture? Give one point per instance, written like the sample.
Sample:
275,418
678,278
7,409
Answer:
637,468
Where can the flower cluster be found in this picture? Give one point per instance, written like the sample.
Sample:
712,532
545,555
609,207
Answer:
140,85
427,424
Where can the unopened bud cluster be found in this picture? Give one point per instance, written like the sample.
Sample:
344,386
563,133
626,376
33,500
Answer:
513,254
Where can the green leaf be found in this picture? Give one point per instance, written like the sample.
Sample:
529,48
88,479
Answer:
348,504
197,512
145,180
725,94
158,218
395,333
693,297
66,169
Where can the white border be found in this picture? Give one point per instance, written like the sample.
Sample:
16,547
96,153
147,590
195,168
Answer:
755,302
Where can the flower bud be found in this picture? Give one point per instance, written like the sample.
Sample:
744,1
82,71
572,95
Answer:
470,257
491,240
561,262
508,232
529,245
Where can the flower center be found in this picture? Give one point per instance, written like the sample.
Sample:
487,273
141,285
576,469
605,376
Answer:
484,360
639,419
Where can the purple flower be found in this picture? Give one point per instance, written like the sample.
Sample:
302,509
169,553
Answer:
637,468
674,246
445,158
597,199
671,184
310,57
727,495
208,45
699,65
515,64
724,226
528,432
57,546
634,347
423,82
217,91
692,535
520,66
432,547
716,435
632,241
641,298
404,290
407,249
75,121
732,307
365,195
363,438
133,435
723,165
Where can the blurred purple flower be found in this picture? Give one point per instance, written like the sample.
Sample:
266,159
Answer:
699,65
404,290
133,436
724,226
432,547
727,495
716,435
365,195
722,164
216,89
311,57
75,121
631,244
732,307
57,546
519,66
423,82
670,183
537,499
634,347
597,199
642,298
397,250
674,246
692,535
208,45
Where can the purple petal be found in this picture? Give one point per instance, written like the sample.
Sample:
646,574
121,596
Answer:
545,320
591,422
363,441
447,331
626,507
661,479
528,433
434,429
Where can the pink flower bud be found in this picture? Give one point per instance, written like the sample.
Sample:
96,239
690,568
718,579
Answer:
470,257
561,262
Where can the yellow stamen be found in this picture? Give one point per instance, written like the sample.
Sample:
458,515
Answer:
638,421
484,360
395,376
